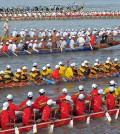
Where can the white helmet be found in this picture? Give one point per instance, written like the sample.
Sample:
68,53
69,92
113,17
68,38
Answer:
81,87
8,67
64,90
81,96
18,70
94,85
34,64
33,69
44,68
112,82
116,59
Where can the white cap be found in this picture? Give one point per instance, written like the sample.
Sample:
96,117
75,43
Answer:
81,87
8,67
108,58
41,91
48,65
1,72
7,42
116,59
83,64
112,89
112,82
96,60
21,41
107,61
68,98
5,105
86,61
73,64
30,94
18,70
101,91
95,64
50,39
24,67
34,64
44,68
64,90
29,103
50,102
57,66
60,63
10,40
41,39
81,96
33,69
94,85
9,97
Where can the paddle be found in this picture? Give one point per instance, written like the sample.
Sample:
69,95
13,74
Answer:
34,129
49,81
91,46
6,54
108,117
88,120
70,125
15,54
27,51
68,61
117,114
51,129
16,130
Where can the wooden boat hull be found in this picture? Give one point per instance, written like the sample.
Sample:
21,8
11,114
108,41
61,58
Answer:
60,122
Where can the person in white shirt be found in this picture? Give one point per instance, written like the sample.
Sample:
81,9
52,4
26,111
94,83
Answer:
63,43
20,45
72,42
10,45
6,28
22,33
35,46
1,45
30,44
81,40
14,33
14,47
49,44
40,44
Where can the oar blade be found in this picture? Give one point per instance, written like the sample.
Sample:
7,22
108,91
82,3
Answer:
108,117
16,131
34,129
51,128
117,114
70,125
88,120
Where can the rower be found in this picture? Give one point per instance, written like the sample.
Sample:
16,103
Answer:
17,76
41,101
44,72
24,73
47,112
94,71
1,77
27,114
98,102
5,47
12,108
5,117
80,105
106,68
6,28
116,64
112,84
110,99
69,72
94,91
82,70
62,69
56,75
8,75
49,70
29,97
36,68
87,67
66,108
62,96
33,75
75,72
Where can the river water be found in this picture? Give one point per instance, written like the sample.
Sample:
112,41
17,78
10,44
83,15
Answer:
98,126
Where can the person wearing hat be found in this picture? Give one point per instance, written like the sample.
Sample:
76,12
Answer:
98,102
62,69
94,91
12,108
65,107
62,96
17,76
56,75
116,64
112,84
49,70
80,105
8,74
5,117
44,72
110,99
47,112
94,71
5,47
20,45
1,79
82,71
41,101
29,97
36,68
27,114
24,73
6,28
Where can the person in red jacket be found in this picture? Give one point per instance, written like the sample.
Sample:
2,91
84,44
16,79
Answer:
5,117
98,102
29,97
93,40
27,114
66,108
5,47
80,105
62,96
111,99
56,75
94,91
41,101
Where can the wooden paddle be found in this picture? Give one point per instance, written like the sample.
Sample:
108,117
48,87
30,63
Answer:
6,54
17,130
117,114
15,54
70,125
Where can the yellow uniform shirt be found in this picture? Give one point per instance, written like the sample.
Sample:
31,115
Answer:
62,71
69,73
107,90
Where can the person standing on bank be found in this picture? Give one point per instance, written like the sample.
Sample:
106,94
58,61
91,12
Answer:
6,28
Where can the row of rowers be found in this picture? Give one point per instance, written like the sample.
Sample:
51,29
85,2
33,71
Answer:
67,106
60,32
59,14
72,72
